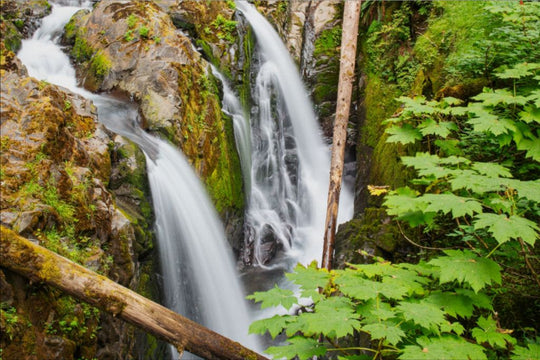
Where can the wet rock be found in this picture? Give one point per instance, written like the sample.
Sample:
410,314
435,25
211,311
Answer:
373,233
135,48
56,165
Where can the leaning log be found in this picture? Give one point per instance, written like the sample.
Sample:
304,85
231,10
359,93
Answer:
349,38
41,265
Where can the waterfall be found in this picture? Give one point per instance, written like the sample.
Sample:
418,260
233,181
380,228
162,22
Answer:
290,164
197,266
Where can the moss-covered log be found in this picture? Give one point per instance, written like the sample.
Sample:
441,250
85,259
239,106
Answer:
38,264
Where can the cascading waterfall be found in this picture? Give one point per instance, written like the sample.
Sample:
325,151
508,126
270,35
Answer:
290,162
197,266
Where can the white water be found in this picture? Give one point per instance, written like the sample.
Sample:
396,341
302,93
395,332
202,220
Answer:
199,277
290,162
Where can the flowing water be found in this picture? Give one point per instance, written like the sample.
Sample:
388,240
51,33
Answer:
289,167
199,278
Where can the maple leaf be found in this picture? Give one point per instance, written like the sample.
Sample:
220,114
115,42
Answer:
491,169
487,331
480,300
442,129
500,96
531,352
425,314
445,347
470,180
518,71
527,189
459,206
454,327
404,134
333,317
530,114
373,311
298,346
353,285
310,279
465,266
391,332
504,228
274,297
273,325
532,146
454,304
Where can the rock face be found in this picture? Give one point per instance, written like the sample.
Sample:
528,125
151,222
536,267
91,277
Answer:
56,168
134,47
20,19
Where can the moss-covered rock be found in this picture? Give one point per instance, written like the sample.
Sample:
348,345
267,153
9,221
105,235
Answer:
142,54
371,234
56,165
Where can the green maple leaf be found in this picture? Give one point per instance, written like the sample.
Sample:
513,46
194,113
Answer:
491,169
480,300
353,285
310,279
504,228
373,311
487,331
445,203
532,146
442,129
273,325
427,165
500,96
417,105
534,96
465,266
518,71
391,332
333,317
299,346
480,184
445,347
527,189
274,297
425,314
404,134
454,327
400,204
530,114
531,352
454,304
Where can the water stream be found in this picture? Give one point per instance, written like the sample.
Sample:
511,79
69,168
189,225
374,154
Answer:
198,272
289,167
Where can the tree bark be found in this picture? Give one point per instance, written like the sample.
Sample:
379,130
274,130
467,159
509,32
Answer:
349,36
41,265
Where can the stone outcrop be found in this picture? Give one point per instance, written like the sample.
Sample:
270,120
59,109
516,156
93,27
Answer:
56,168
20,19
133,47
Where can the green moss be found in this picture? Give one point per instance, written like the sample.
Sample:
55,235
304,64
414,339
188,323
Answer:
100,65
11,37
328,42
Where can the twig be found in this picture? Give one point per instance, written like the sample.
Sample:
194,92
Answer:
529,265
415,244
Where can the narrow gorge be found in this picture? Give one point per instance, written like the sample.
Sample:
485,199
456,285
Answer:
181,148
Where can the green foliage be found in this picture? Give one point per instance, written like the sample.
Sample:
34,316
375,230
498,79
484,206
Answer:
128,36
9,320
100,64
132,21
409,311
225,29
143,32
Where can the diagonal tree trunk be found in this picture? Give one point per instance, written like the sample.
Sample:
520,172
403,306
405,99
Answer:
41,265
349,36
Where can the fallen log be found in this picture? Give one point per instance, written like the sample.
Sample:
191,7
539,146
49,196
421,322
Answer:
41,265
